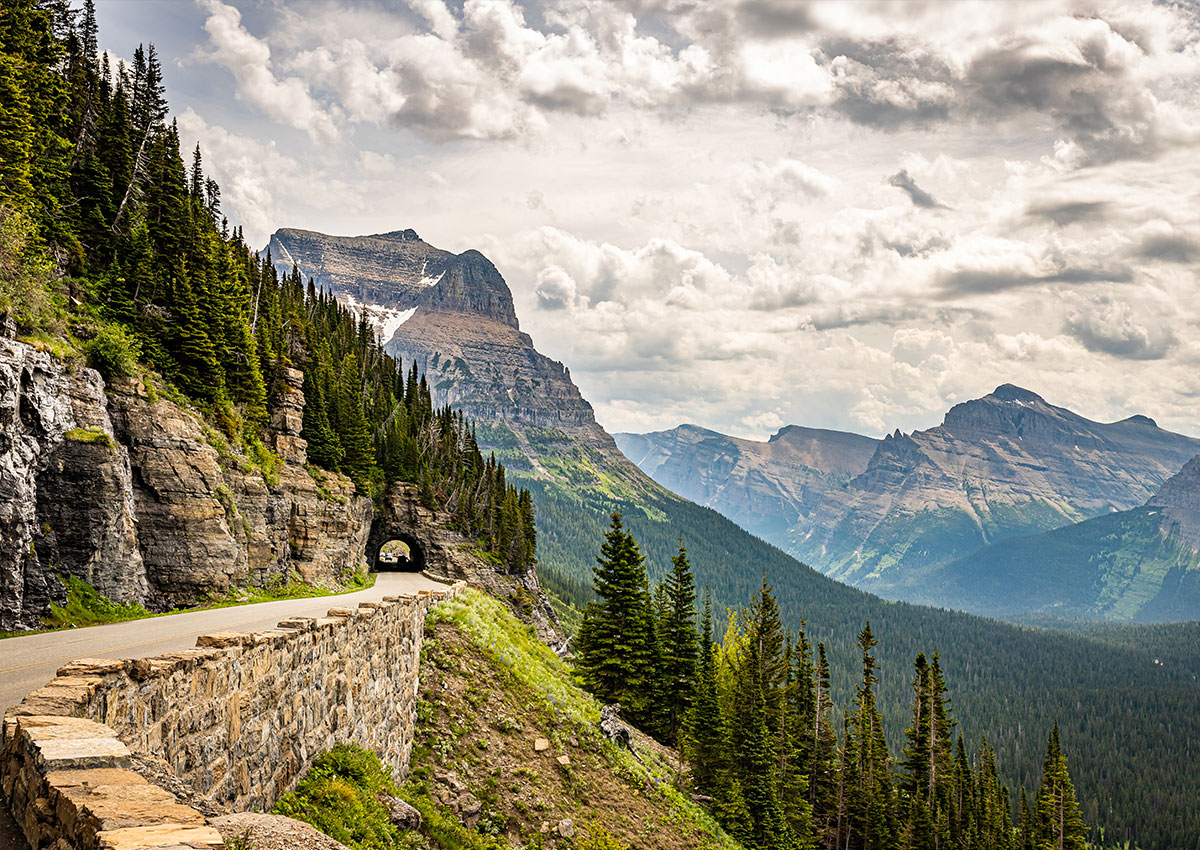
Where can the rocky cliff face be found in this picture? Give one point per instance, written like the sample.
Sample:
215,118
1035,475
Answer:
765,487
135,495
999,466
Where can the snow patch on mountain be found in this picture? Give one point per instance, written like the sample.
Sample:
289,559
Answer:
428,281
385,320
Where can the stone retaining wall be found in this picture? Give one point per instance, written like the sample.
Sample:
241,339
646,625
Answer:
239,719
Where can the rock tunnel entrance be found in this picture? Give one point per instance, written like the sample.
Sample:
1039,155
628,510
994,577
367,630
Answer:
400,553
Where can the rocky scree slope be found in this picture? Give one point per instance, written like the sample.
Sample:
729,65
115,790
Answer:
1142,564
765,487
1000,466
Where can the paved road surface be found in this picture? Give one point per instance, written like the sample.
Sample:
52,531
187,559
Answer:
31,661
27,663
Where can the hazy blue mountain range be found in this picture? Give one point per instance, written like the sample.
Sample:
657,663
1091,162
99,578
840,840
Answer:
767,488
1004,466
1141,564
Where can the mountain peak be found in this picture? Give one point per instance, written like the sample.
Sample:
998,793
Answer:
394,273
407,235
1011,392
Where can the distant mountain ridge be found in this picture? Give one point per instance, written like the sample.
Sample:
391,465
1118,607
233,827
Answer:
1004,466
765,487
1000,466
1142,564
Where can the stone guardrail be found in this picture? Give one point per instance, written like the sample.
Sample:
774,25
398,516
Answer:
238,719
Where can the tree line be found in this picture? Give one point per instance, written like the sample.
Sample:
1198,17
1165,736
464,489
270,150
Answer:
768,749
109,240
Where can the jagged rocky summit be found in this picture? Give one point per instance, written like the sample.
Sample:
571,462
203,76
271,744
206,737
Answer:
453,314
999,466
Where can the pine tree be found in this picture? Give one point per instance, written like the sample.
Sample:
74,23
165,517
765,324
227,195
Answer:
1058,824
823,772
616,643
871,814
703,727
353,431
324,449
678,643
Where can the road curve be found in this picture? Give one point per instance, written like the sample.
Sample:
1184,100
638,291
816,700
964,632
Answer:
28,662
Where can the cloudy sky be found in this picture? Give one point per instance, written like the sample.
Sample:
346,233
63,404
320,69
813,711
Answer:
745,213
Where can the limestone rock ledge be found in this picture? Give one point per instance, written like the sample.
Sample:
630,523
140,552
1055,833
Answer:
132,493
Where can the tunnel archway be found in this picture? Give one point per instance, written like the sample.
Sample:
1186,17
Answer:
400,553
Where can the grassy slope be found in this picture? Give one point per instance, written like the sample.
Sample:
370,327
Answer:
1009,683
489,689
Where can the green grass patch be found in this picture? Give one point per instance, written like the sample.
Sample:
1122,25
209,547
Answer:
89,435
86,606
340,797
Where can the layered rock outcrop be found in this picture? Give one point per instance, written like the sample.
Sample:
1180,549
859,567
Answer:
134,494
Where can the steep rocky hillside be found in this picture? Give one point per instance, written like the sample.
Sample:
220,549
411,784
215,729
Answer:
1000,466
1142,564
135,494
132,490
454,316
766,488
508,744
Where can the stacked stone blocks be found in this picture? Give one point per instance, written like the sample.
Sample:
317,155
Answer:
238,719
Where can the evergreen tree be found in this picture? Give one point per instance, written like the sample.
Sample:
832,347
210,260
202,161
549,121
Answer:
1057,823
871,821
823,770
677,643
354,433
324,449
616,643
703,741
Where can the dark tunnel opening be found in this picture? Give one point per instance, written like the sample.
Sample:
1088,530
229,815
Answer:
401,553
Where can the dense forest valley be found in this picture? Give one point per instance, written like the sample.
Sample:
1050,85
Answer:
811,714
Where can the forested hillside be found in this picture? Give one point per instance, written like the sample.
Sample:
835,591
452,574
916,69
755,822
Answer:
754,716
1009,683
113,248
